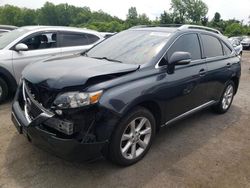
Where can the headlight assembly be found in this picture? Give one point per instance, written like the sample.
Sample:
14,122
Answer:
77,99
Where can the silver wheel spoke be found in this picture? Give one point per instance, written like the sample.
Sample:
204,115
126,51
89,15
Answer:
142,144
133,151
126,137
142,122
132,126
145,131
127,146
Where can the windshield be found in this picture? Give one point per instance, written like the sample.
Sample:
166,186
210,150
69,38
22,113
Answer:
131,46
9,37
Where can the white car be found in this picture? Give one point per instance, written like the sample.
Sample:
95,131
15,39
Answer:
237,45
31,44
6,28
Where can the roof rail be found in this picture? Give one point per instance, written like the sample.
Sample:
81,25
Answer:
161,25
180,27
199,27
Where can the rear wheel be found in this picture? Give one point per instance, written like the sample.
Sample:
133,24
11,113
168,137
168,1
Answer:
133,137
226,98
3,90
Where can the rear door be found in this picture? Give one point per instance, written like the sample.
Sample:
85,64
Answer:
185,89
220,59
41,46
75,42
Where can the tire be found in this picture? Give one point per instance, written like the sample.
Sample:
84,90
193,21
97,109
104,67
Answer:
136,139
226,99
3,90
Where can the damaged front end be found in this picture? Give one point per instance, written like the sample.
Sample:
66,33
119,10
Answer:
79,133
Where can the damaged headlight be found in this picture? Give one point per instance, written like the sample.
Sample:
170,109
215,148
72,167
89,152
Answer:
77,99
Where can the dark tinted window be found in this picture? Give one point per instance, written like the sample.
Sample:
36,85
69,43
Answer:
92,38
41,41
212,46
73,39
187,43
227,50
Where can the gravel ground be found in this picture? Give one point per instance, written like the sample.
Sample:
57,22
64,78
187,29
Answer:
205,150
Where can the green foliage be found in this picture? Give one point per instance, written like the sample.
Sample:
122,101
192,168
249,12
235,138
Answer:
181,11
189,10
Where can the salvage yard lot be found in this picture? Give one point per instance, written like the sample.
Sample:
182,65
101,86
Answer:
204,150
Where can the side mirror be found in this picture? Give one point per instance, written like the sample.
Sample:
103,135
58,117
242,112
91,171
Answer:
21,47
178,58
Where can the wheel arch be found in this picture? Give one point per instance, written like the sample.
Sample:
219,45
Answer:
8,78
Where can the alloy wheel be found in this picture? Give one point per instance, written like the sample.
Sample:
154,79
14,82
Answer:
135,138
227,97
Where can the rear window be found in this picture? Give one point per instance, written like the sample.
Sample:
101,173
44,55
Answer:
77,39
212,46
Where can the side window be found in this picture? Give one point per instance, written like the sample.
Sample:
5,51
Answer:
41,41
92,38
73,39
212,46
187,43
226,49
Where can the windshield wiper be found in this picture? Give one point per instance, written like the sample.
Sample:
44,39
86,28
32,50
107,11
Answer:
108,59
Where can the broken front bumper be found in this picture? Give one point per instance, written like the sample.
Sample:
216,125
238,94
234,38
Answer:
67,148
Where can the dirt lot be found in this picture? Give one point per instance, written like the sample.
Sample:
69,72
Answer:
205,150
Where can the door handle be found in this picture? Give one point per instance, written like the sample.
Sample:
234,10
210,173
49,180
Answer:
202,72
229,65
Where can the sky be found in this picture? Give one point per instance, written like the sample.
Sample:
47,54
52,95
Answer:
239,9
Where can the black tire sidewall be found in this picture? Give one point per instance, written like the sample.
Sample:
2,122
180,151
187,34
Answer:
5,90
114,148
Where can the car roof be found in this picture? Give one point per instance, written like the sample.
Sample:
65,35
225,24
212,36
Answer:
8,27
62,28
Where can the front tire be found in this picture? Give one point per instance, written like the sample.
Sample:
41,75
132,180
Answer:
3,90
132,137
226,98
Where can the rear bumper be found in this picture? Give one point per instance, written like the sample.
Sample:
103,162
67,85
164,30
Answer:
69,149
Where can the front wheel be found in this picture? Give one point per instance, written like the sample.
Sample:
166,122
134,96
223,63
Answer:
226,98
133,137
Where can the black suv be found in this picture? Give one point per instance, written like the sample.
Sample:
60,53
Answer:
114,98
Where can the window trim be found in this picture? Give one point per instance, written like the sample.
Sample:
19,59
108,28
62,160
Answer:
197,60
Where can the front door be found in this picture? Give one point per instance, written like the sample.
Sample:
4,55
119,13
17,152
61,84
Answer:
41,46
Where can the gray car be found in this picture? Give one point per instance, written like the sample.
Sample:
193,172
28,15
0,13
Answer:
246,43
30,44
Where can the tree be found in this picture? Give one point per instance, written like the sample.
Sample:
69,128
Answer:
132,16
234,29
179,8
196,10
166,18
217,17
143,19
189,10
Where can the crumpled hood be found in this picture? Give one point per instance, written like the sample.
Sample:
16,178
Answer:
72,71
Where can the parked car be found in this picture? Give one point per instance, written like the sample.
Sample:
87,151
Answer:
26,45
246,43
113,99
237,46
6,28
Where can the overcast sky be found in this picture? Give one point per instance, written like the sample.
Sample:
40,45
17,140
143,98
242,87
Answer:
239,9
